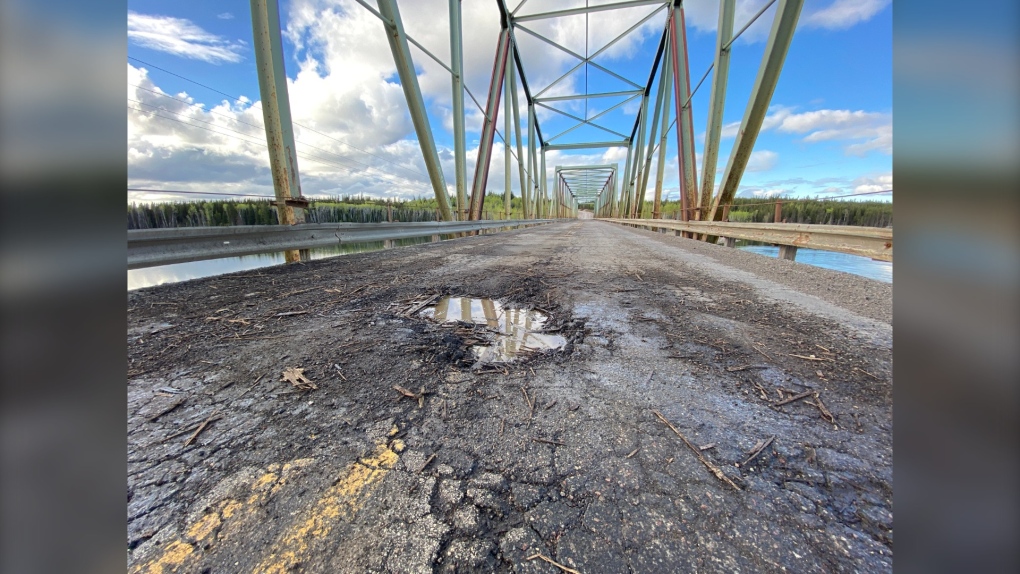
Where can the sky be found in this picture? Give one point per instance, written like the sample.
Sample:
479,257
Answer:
195,118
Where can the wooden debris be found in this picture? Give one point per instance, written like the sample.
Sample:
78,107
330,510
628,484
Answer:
252,386
811,357
866,373
763,353
707,446
427,462
541,556
418,307
547,441
172,406
633,452
826,413
296,377
189,429
762,445
405,392
745,367
708,464
202,426
290,313
339,372
803,395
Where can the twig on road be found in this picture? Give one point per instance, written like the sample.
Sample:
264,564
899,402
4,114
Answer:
708,464
758,450
803,395
541,556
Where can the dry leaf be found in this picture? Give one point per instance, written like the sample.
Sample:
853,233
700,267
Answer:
295,376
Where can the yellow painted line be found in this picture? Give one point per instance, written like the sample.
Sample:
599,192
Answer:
341,501
234,517
226,518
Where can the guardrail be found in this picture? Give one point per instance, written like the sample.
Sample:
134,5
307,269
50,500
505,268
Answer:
151,247
873,242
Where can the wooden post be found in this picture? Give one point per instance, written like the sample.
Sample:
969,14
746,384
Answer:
778,217
788,252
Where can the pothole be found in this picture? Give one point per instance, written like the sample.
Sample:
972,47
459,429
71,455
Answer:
507,332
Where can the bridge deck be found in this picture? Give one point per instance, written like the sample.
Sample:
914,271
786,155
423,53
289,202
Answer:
560,455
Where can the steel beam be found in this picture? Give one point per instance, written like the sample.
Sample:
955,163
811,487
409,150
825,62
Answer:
415,103
660,168
544,185
639,192
685,128
585,10
525,208
589,96
589,145
717,103
532,169
489,127
783,26
265,23
459,147
660,110
507,113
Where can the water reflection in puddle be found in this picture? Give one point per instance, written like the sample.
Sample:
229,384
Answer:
516,331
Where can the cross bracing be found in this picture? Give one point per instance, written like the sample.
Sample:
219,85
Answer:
587,106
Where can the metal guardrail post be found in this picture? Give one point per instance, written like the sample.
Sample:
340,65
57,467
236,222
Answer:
415,104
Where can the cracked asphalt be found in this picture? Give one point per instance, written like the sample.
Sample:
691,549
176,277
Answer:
555,458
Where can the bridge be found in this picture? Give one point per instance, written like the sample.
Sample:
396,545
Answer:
591,387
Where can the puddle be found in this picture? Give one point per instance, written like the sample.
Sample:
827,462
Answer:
515,331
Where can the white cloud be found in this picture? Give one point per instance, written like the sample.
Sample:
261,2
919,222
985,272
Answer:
865,131
762,160
225,16
843,14
703,16
181,37
866,184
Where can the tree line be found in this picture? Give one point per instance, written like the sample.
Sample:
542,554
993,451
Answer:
353,209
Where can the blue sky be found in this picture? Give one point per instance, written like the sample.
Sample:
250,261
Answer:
828,132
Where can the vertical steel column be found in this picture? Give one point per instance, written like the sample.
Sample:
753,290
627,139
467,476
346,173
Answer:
415,103
625,184
682,92
525,211
489,125
659,110
265,23
639,194
716,104
506,132
660,168
459,148
614,210
532,170
544,185
783,26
